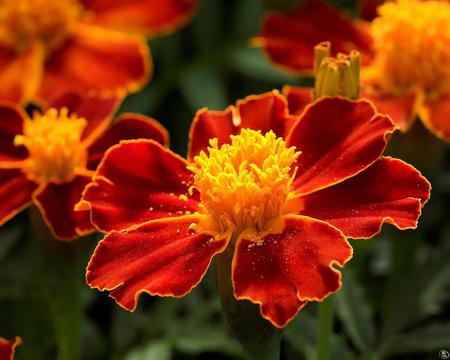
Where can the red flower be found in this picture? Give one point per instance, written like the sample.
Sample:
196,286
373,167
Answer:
51,46
284,192
405,53
49,158
7,348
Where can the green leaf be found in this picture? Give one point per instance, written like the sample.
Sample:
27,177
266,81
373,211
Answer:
156,350
354,312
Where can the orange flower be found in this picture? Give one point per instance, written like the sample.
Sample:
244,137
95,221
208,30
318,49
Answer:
405,54
280,193
7,348
49,158
51,46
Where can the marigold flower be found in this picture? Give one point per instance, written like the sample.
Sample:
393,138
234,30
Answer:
405,54
283,191
7,348
49,158
51,46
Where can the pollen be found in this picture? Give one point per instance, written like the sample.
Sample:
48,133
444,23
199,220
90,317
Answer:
412,42
244,184
26,21
53,141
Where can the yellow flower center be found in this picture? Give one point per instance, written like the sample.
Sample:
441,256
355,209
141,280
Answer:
244,184
412,41
53,141
25,21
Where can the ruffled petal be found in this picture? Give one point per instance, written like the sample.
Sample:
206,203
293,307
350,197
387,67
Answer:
338,138
208,125
388,191
124,193
126,127
56,203
12,118
263,112
7,348
15,193
162,257
21,74
98,111
150,17
282,271
402,109
435,115
368,8
298,98
289,40
97,60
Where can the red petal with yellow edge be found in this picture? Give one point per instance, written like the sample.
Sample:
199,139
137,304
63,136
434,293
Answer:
162,257
138,181
388,191
21,74
368,8
11,124
289,40
282,271
97,111
338,138
258,112
7,348
208,125
436,117
150,17
15,193
126,127
402,109
57,202
97,60
298,98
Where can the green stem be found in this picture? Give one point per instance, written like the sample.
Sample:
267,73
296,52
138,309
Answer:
60,272
325,328
258,338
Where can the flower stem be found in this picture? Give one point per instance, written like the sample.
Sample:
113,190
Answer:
258,338
60,272
325,329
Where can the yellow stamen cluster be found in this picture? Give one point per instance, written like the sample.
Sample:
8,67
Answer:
25,21
53,141
244,184
336,75
412,42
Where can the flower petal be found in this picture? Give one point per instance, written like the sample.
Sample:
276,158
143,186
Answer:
56,203
12,118
21,74
298,98
150,17
402,109
98,111
125,193
289,40
435,115
388,191
126,127
263,112
338,139
368,8
15,193
282,271
7,348
162,257
97,60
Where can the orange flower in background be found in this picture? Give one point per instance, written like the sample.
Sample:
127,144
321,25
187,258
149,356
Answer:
405,54
7,348
282,192
47,159
51,46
